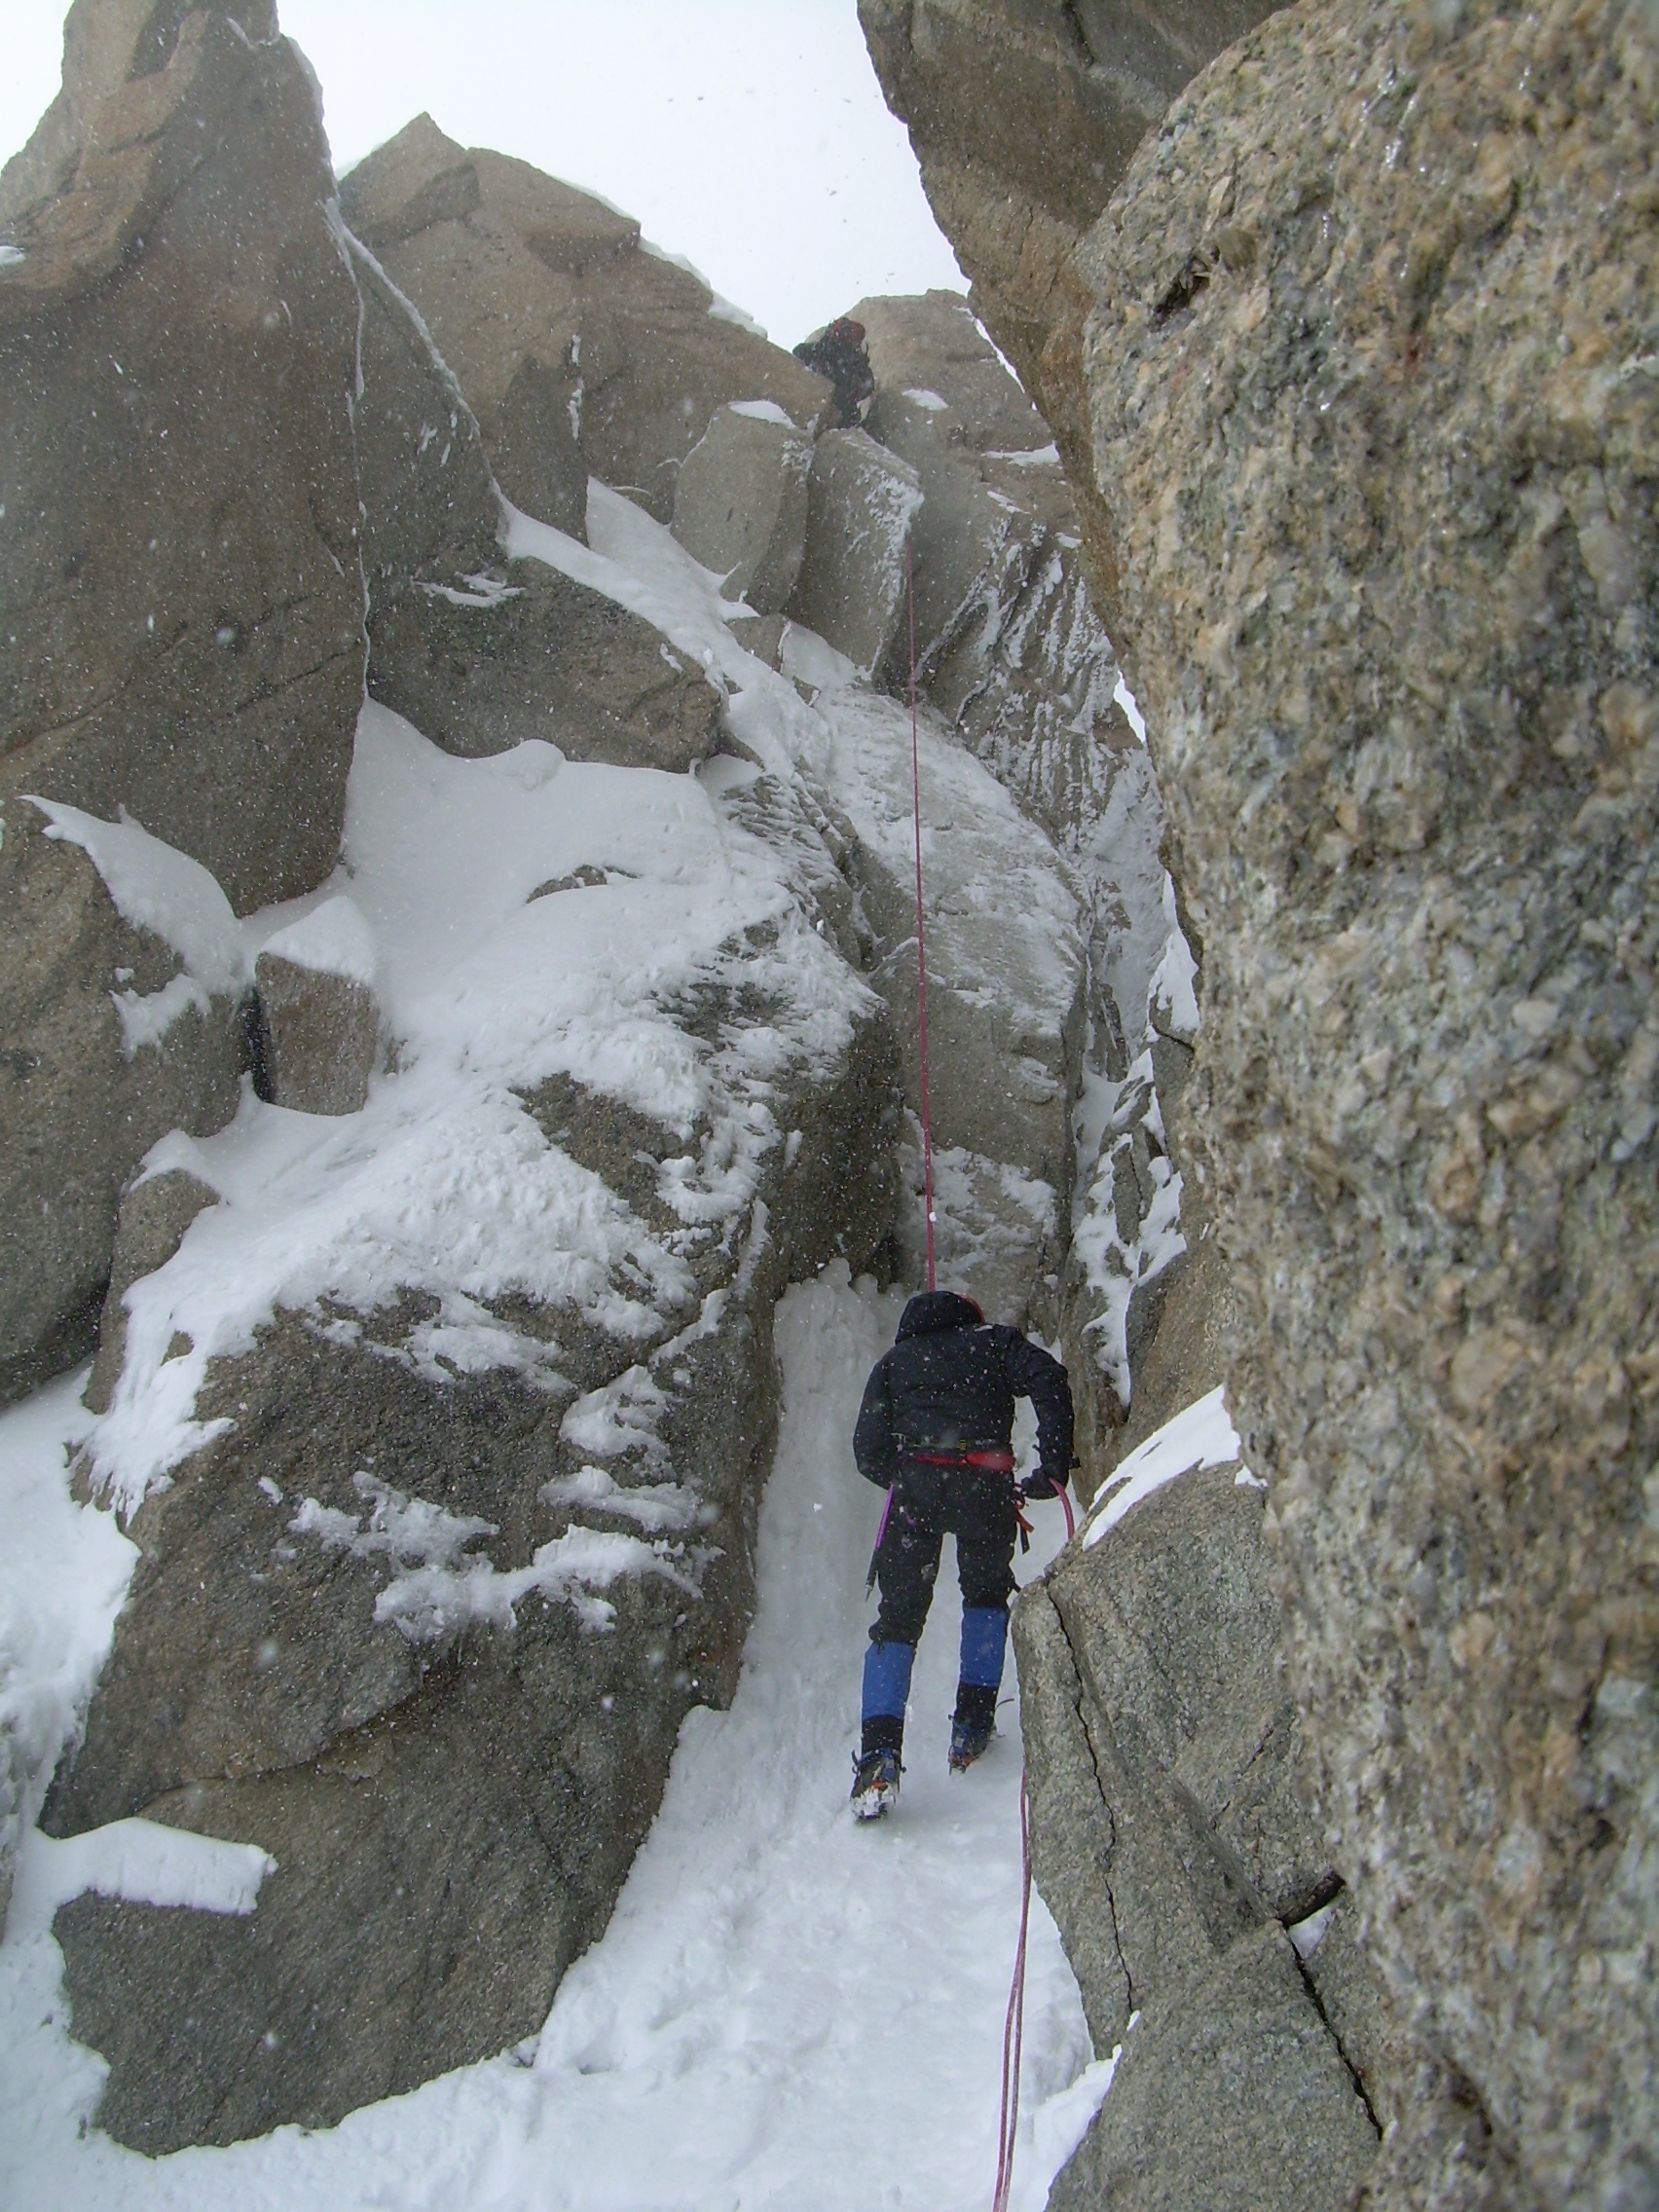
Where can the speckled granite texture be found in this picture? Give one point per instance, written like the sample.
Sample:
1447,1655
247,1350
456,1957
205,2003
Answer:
1373,363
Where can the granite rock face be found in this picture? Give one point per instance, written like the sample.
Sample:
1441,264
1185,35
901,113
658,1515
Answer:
184,633
149,1228
740,503
1375,535
579,349
431,511
111,1039
426,1614
860,504
1023,120
1235,2098
1007,645
1162,1756
318,1017
419,180
1388,564
929,346
478,651
1006,987
991,501
527,652
1012,653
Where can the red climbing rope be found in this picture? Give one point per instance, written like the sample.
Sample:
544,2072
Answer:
1014,2023
921,942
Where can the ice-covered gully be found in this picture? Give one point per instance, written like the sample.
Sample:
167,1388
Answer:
416,1246
479,1159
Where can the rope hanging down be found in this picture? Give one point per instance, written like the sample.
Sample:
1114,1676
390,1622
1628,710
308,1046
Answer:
921,940
1014,2022
1013,2025
921,1013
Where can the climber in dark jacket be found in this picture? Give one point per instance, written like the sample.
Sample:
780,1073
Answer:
840,353
934,1430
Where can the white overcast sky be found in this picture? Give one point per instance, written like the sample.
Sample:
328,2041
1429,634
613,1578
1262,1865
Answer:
749,135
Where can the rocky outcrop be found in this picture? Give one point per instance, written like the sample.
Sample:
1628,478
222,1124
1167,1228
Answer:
440,1416
1006,983
1008,647
186,592
927,350
993,491
1023,121
155,1214
436,1579
1163,1752
740,503
860,504
1377,540
183,637
531,653
120,1007
1453,1077
479,652
317,1014
184,632
1012,653
380,1626
580,350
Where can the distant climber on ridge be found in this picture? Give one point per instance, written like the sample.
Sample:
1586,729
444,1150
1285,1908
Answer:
935,1431
840,353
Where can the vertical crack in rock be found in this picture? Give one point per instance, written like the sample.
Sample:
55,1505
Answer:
1319,2003
1105,1803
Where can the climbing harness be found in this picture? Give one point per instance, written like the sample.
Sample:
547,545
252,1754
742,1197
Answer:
1014,2022
991,1461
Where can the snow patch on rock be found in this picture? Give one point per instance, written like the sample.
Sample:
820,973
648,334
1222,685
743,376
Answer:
155,887
1200,1435
140,1861
333,939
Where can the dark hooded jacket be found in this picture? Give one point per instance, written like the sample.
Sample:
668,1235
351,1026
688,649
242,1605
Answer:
949,1384
842,354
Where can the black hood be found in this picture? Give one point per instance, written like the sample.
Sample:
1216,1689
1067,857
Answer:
936,1309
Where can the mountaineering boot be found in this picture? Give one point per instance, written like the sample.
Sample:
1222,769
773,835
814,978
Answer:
886,1688
875,1784
973,1724
968,1744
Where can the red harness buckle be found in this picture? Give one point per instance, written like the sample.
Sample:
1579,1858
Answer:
992,1461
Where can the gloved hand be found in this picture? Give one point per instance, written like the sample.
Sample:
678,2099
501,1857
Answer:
1042,1484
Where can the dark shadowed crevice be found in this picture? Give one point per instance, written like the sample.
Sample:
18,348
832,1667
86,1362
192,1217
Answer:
1319,2005
1105,1805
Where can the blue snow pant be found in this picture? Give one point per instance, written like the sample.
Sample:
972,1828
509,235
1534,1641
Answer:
976,1505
